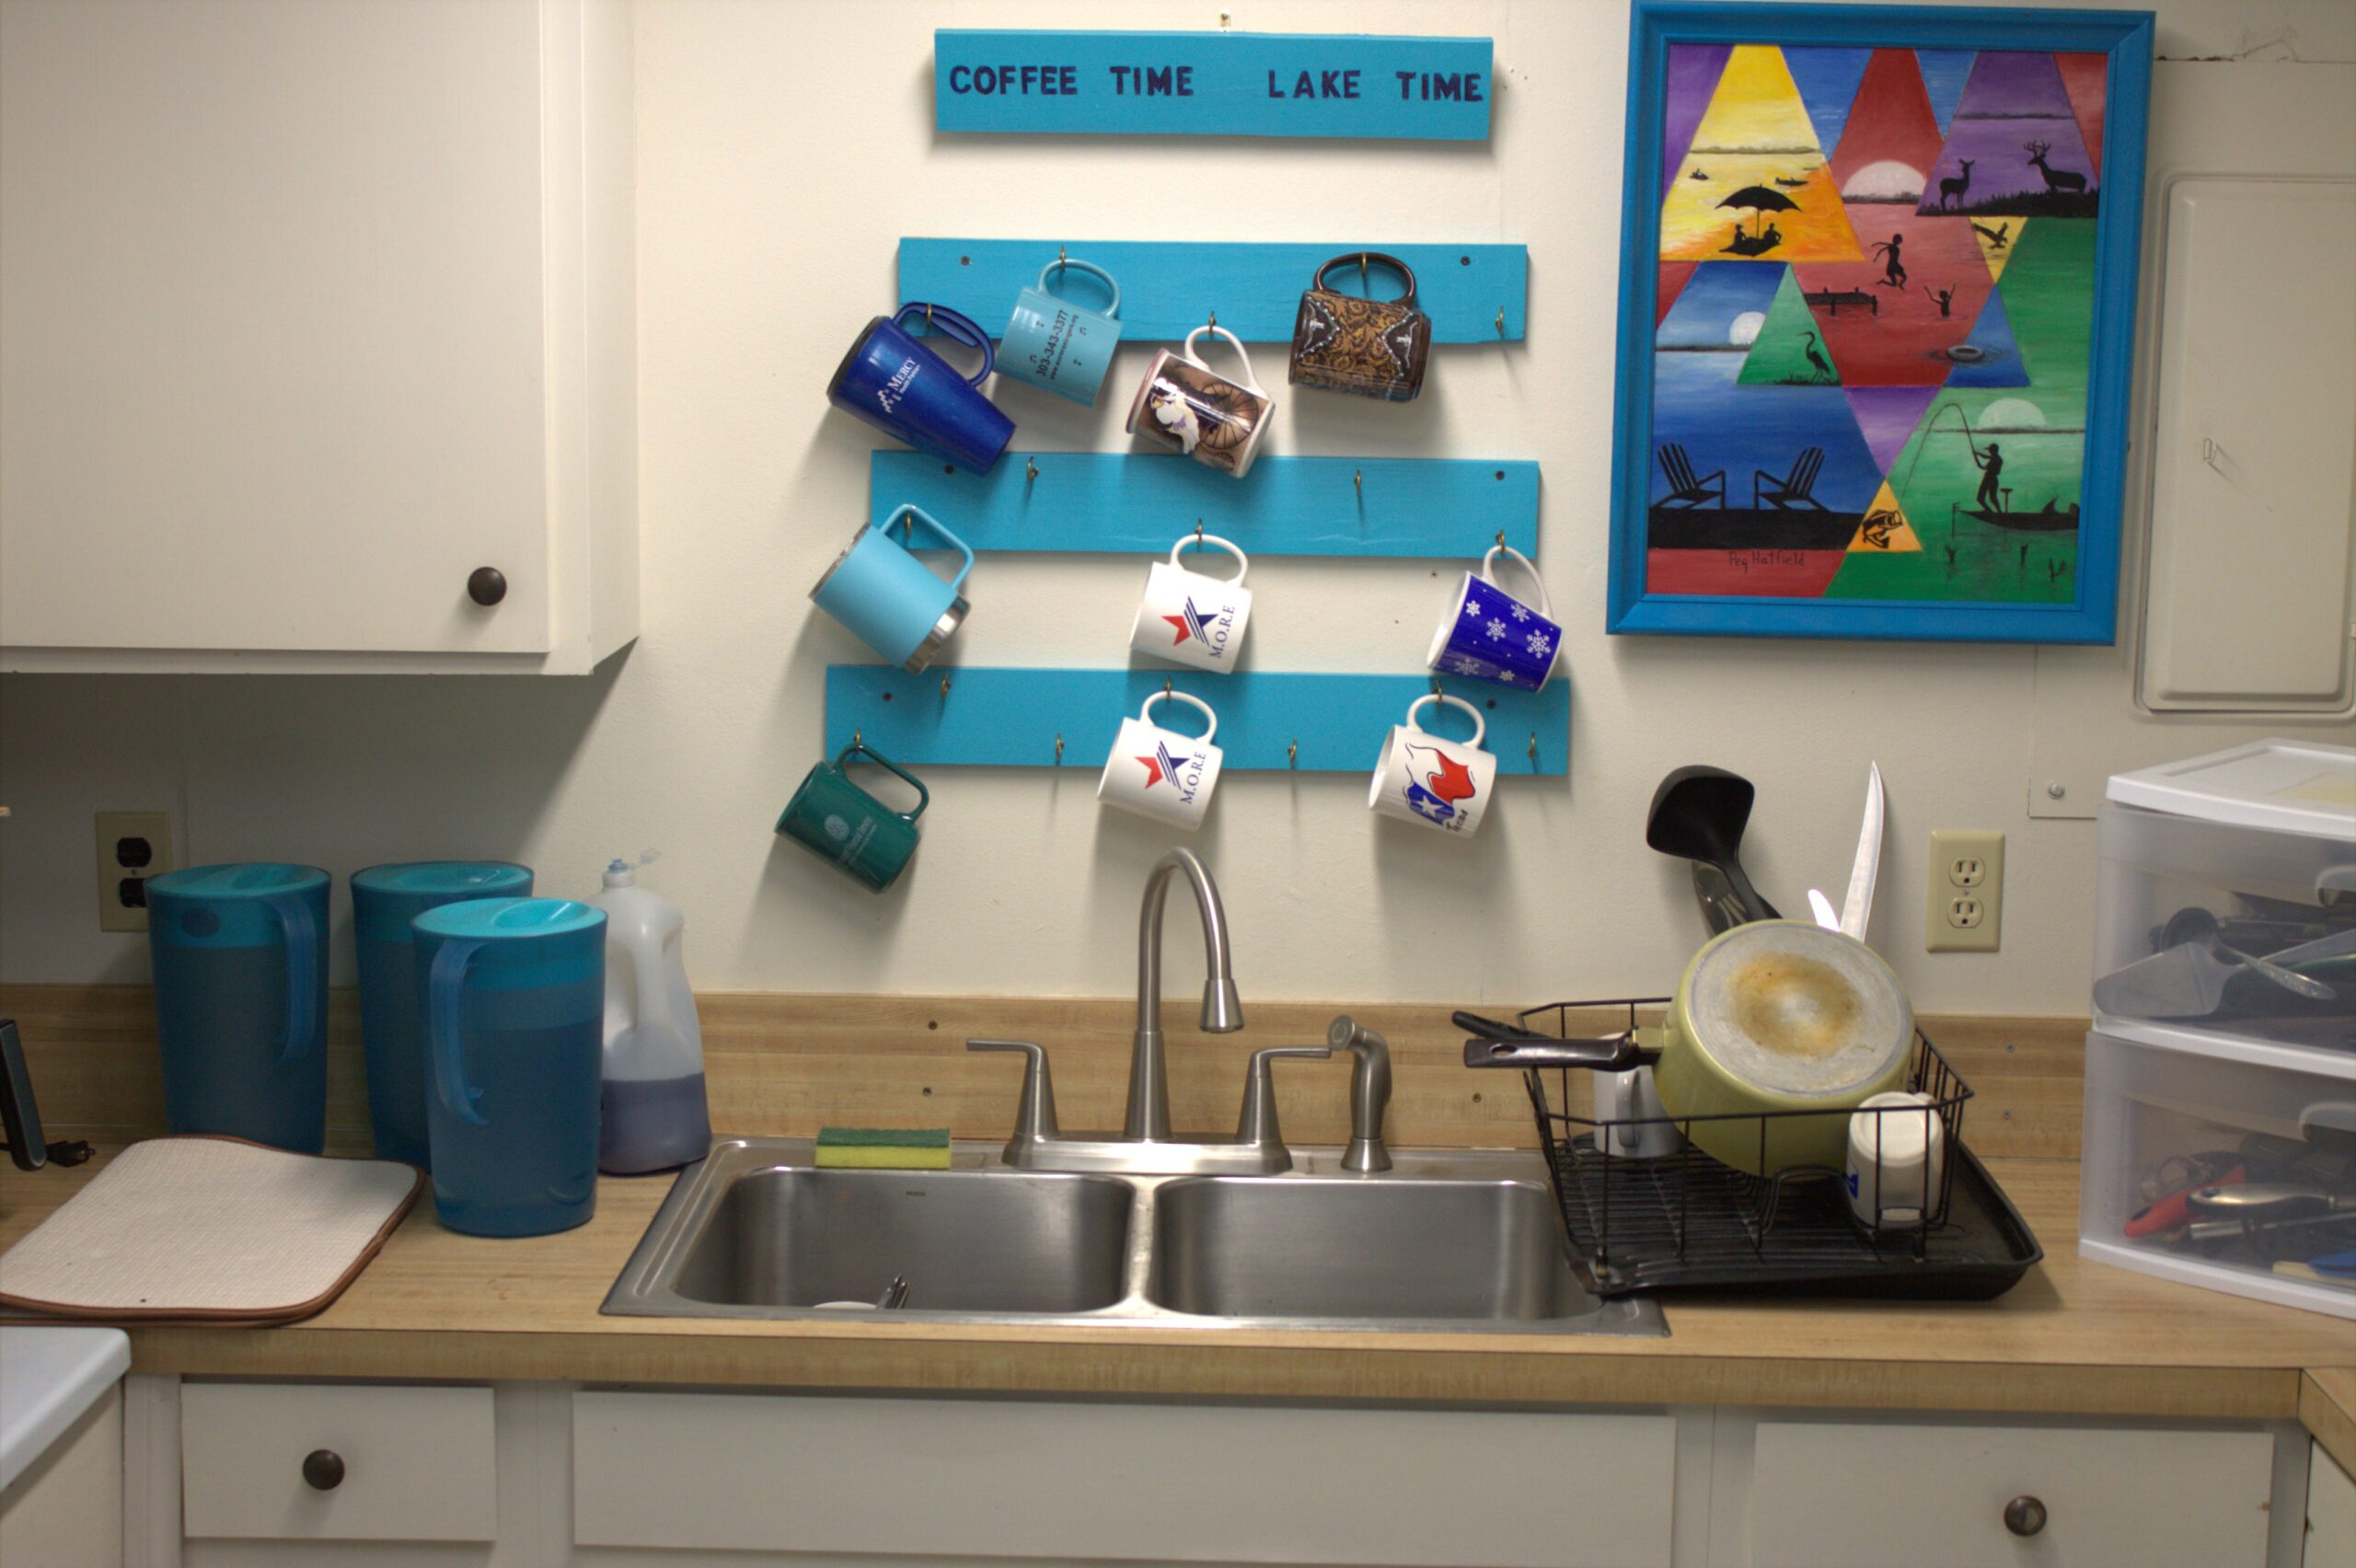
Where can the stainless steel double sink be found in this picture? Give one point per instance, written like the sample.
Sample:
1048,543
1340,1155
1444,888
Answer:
1441,1242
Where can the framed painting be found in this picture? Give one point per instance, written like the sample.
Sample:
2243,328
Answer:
1877,312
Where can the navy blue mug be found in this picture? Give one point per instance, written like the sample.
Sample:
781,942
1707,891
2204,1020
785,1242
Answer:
894,383
1491,636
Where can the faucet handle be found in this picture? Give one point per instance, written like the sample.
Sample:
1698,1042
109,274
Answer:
1369,1093
1035,1118
1257,1125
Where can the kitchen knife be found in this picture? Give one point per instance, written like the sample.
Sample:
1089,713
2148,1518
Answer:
1857,908
1822,908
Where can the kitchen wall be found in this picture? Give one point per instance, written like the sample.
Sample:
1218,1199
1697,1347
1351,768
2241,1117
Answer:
783,147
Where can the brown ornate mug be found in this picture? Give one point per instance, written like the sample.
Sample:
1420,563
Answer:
1375,347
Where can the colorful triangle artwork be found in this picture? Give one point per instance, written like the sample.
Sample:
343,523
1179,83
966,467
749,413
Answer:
1788,351
1944,73
1827,79
1989,357
1997,237
1887,416
2014,144
2086,78
1673,278
1885,530
1690,79
1754,184
1890,139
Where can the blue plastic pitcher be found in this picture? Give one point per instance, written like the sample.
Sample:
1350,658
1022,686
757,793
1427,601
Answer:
241,1000
513,994
384,899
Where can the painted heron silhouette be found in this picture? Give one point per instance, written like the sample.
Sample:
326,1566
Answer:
1816,362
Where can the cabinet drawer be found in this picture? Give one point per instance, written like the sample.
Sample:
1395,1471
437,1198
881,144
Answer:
418,1463
1864,1496
1194,1482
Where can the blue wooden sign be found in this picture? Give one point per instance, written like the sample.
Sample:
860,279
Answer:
1475,294
1114,503
1212,84
1267,720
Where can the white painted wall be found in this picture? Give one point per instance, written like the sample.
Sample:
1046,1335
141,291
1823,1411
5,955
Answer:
783,147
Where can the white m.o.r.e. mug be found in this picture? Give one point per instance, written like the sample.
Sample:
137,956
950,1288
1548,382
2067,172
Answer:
1191,617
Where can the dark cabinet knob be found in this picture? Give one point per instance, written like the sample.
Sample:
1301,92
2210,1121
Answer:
486,585
2025,1516
323,1470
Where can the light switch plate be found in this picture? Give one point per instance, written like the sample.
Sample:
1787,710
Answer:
1964,910
132,846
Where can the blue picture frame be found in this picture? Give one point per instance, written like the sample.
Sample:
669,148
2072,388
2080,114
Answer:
2125,39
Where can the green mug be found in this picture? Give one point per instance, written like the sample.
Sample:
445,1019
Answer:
847,827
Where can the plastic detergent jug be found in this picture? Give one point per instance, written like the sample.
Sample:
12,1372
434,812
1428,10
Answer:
655,1116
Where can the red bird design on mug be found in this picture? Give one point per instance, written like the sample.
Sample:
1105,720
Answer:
1441,774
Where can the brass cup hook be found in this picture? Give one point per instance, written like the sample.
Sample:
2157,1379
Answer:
1198,533
1361,268
1213,315
1062,260
1501,321
857,737
928,315
1165,685
1059,747
1030,470
1357,478
1533,748
944,685
1292,755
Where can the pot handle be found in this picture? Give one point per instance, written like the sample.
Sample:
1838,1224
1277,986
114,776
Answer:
1614,1054
958,328
1545,607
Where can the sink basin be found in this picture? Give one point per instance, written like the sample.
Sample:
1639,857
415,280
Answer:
1460,1242
1347,1247
965,1240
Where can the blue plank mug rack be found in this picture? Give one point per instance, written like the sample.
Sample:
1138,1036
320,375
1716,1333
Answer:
1212,84
1121,504
1475,294
1268,720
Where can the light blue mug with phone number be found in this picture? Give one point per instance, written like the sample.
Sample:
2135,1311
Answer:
1056,345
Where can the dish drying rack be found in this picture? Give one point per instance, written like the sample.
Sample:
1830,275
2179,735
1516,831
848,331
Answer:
1641,1225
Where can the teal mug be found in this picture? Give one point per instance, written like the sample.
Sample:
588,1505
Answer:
1054,344
850,829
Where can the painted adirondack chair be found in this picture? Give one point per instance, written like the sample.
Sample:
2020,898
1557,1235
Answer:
1793,488
1684,489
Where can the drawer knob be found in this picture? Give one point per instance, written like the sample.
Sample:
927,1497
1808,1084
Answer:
486,585
2025,1516
323,1470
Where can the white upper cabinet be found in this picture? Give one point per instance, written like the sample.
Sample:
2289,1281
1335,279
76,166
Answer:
308,314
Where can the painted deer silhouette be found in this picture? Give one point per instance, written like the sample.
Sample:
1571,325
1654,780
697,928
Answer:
1958,185
2055,179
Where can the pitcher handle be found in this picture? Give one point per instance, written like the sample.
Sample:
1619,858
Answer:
1545,607
960,329
860,748
444,985
918,515
301,994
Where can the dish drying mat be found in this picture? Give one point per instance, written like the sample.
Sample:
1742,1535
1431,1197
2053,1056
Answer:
212,1230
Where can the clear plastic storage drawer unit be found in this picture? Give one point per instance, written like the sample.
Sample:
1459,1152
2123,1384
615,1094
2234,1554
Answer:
2224,1163
2227,895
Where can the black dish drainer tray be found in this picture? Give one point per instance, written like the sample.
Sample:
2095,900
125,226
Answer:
1685,1222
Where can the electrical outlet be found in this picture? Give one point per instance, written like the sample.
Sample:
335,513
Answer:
132,846
1964,910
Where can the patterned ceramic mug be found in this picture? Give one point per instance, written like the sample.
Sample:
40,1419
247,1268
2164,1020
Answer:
1188,407
1440,784
1491,636
1191,617
1372,346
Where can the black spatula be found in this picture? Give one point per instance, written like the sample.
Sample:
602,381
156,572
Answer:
1698,814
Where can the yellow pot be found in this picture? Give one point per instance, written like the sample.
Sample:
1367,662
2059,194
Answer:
1781,1015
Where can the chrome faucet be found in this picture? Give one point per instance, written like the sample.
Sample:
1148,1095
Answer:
1370,1092
1148,1113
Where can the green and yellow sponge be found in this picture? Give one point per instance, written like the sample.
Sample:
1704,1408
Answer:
884,1148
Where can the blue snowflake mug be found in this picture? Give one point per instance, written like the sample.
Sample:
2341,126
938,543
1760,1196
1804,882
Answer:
1054,344
1491,636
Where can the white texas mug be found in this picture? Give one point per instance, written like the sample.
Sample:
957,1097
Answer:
1190,616
1160,773
1443,785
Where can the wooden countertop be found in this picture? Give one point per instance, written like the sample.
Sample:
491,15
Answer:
2073,1337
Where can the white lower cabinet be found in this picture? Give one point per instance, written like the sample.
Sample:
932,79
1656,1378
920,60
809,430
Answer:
65,1511
1827,1495
543,1475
